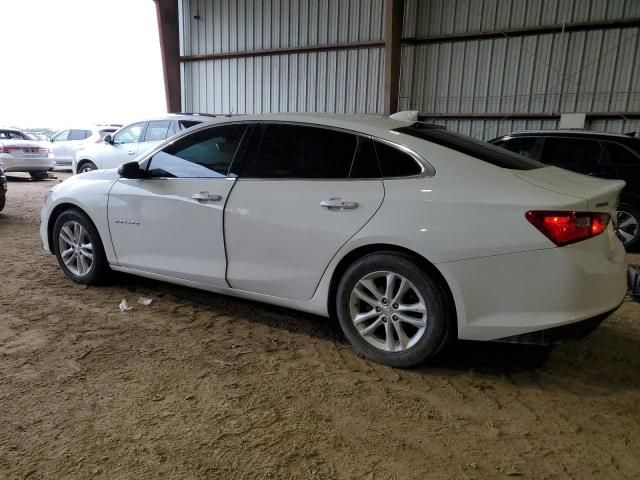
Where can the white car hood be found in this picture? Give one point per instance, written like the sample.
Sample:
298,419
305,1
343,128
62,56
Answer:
108,174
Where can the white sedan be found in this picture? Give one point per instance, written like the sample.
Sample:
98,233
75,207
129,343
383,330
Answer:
22,152
410,234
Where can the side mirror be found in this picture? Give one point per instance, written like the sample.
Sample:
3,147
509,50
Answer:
130,170
108,139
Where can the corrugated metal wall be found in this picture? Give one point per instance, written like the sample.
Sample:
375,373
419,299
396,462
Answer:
588,71
345,81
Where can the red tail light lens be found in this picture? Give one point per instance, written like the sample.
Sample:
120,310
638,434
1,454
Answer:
563,228
3,149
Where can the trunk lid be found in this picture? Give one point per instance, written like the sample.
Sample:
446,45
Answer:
600,195
26,148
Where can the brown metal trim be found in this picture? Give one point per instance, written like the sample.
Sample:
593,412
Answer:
394,13
283,51
521,32
168,30
522,116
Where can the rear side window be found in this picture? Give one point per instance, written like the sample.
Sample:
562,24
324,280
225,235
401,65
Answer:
184,124
203,154
396,163
79,134
619,155
296,151
157,130
365,164
520,145
470,146
565,151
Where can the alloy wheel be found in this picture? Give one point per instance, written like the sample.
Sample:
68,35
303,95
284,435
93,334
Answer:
626,226
75,248
388,311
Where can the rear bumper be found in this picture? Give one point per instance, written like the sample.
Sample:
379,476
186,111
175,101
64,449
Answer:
516,294
10,164
564,333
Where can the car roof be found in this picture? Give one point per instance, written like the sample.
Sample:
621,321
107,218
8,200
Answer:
566,132
368,124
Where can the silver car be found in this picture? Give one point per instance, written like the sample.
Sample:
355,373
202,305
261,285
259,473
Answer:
22,152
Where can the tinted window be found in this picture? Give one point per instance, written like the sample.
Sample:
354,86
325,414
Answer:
520,145
365,163
563,151
203,154
470,146
295,151
396,163
79,134
130,134
619,155
157,130
60,136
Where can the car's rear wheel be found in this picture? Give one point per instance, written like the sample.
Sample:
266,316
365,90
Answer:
78,248
87,167
39,175
391,310
627,225
3,200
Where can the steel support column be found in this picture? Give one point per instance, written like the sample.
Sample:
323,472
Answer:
168,29
394,11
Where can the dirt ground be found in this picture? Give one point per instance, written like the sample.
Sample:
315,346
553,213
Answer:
198,385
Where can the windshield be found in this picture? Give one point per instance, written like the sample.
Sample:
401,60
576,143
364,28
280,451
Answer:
470,146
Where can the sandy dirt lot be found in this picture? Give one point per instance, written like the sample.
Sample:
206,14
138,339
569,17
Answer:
197,385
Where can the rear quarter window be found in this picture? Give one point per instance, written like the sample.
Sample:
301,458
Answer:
483,151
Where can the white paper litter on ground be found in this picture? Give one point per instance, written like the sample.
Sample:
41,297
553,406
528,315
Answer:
124,305
145,301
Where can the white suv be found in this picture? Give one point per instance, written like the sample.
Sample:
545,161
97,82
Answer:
132,140
66,143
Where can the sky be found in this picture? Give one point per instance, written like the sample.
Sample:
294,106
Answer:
71,62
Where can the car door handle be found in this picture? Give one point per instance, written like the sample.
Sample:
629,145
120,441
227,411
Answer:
338,203
206,197
131,152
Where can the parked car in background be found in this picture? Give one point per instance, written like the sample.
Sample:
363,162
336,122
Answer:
411,234
3,189
603,155
132,140
22,152
66,143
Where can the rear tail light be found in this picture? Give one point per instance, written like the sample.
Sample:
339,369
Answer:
563,228
3,149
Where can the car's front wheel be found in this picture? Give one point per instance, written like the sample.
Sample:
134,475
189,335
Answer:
627,225
87,167
78,248
391,310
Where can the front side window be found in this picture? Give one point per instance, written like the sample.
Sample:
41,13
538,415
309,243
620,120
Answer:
204,154
157,130
60,136
567,151
297,151
130,134
520,145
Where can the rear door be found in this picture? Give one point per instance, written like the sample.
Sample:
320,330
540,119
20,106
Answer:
295,205
156,131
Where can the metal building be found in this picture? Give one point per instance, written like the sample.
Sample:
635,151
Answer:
481,67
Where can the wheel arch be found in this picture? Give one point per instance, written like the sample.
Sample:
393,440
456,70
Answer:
55,213
359,252
82,161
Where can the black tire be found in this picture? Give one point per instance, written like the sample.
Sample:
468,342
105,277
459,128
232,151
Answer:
39,175
99,266
625,210
439,327
3,200
86,166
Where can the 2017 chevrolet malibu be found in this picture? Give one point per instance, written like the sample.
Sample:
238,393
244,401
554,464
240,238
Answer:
410,234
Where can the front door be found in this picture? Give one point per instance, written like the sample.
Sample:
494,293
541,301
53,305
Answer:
124,147
171,223
295,205
60,148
